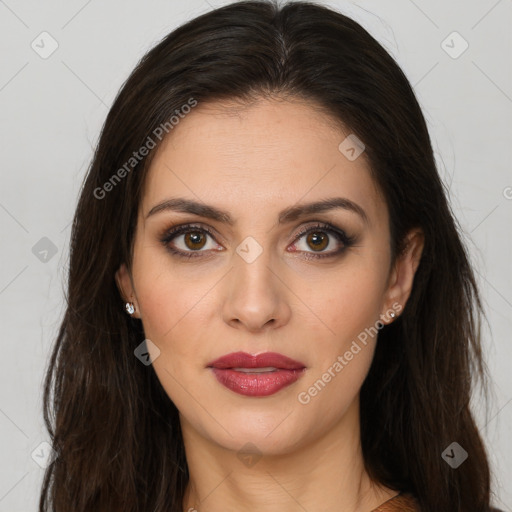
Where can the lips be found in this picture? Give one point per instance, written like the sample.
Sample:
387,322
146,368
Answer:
265,360
260,375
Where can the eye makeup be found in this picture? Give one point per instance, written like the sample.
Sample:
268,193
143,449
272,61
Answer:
319,229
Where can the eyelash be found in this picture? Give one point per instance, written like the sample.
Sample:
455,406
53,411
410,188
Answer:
340,235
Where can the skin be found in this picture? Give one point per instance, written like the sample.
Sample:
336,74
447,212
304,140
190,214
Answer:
253,162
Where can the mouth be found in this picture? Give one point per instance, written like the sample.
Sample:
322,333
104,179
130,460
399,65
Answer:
257,370
257,376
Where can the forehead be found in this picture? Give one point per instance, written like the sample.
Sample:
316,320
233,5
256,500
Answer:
256,155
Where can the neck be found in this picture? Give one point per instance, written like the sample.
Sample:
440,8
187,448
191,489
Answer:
325,474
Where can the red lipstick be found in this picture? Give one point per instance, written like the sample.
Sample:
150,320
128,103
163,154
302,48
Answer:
261,375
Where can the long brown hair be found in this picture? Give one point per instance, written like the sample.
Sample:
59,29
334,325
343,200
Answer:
115,431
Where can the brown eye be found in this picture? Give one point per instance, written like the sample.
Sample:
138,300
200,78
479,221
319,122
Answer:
317,240
189,241
195,240
322,241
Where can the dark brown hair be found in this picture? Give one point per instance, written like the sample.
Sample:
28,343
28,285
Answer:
115,431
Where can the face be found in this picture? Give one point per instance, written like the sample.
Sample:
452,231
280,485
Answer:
262,273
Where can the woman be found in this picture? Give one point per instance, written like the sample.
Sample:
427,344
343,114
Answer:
269,304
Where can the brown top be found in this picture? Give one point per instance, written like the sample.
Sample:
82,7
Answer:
402,502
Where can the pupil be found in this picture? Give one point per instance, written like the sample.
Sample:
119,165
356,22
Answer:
195,238
318,240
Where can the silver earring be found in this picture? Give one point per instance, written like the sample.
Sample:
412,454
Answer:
130,308
392,314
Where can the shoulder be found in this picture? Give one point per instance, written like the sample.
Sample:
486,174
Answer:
406,502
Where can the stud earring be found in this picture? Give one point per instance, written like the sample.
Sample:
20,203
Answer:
130,308
392,314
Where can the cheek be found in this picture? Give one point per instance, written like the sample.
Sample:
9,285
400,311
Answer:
349,306
347,301
172,304
343,355
175,319
175,314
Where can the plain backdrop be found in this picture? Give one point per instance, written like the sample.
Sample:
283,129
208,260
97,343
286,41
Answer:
52,108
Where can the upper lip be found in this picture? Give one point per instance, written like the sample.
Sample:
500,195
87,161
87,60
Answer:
245,360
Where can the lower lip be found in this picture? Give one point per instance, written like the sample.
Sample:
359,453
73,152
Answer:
256,384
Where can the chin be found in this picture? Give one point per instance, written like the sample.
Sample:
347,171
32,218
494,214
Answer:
267,433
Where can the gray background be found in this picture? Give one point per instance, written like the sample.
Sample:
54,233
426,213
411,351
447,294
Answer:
51,113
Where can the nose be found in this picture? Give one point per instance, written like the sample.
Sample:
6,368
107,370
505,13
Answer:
256,296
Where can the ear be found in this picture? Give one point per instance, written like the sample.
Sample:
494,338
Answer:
126,288
402,274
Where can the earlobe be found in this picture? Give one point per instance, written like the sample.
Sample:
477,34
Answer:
404,270
125,287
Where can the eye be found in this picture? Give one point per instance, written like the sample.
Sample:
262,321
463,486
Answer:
188,241
320,237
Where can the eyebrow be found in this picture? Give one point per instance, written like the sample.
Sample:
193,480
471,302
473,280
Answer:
289,214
